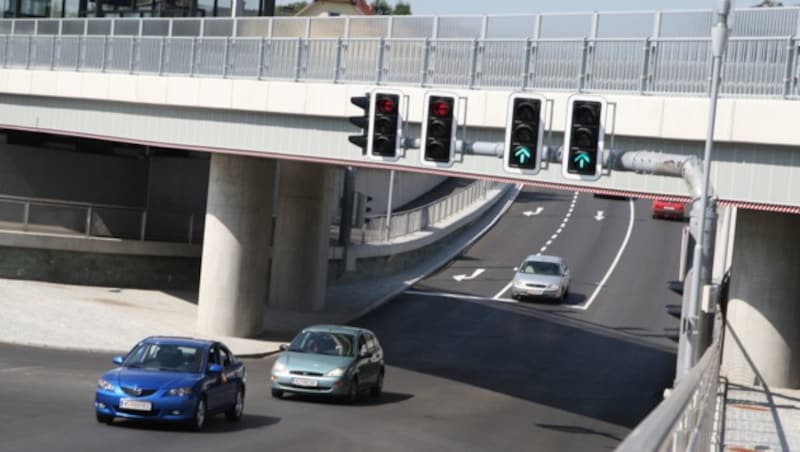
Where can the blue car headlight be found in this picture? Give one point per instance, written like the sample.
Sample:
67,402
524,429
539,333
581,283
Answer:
104,385
180,392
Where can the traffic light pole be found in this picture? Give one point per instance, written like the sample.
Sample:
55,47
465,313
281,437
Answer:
694,327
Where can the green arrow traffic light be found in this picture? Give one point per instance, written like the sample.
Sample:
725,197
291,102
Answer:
582,159
522,154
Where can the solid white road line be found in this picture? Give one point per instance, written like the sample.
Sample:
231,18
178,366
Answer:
602,283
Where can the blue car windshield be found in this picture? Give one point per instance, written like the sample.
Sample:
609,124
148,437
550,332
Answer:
169,357
323,343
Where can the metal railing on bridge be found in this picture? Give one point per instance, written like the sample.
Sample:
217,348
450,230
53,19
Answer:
643,52
424,217
99,220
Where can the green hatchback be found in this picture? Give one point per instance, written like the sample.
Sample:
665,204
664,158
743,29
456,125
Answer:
332,360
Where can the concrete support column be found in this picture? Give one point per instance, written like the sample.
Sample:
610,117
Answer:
764,305
233,276
300,252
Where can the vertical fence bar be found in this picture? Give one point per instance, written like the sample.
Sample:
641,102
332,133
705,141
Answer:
161,55
260,58
381,56
788,79
645,66
53,52
473,72
193,55
105,53
426,62
89,221
584,64
132,57
28,52
299,59
26,214
526,71
337,73
225,56
81,43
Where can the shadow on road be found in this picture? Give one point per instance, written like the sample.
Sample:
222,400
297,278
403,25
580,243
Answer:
216,424
387,398
539,356
578,431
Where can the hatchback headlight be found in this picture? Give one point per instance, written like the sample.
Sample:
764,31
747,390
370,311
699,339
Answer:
553,286
180,392
279,367
518,283
338,372
105,385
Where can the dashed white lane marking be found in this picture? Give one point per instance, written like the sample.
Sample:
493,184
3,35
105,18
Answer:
602,282
499,295
18,369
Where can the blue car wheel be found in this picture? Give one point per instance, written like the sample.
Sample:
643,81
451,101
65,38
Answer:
198,422
235,412
104,418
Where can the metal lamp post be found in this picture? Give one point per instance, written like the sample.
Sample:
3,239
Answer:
694,330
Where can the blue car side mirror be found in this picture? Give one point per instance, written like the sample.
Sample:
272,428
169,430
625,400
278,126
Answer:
117,360
215,368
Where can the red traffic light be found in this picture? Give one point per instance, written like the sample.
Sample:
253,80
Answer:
386,105
440,109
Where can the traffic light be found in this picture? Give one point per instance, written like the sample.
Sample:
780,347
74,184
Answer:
524,129
439,129
583,142
361,121
385,125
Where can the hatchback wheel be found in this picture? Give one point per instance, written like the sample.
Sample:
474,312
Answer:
104,419
277,393
352,394
235,412
377,390
200,415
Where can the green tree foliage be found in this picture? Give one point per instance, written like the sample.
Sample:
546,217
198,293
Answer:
402,9
383,8
768,4
290,9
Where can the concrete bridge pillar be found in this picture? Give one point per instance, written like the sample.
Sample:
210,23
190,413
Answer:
300,252
233,276
764,306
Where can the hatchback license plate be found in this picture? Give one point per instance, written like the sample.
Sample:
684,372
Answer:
136,405
307,382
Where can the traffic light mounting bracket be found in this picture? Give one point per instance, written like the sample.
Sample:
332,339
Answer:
545,162
606,162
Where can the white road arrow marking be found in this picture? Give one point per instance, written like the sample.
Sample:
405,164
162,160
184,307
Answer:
474,275
538,210
600,216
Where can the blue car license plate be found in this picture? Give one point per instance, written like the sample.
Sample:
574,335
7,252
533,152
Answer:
136,405
306,382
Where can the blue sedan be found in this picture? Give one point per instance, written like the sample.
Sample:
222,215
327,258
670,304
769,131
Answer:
173,380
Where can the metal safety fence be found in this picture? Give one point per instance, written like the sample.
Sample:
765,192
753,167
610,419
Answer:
98,220
754,66
687,419
424,217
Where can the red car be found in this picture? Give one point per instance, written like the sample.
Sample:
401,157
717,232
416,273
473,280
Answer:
667,209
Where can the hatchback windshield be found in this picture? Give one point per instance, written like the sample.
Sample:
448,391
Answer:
323,343
177,358
541,268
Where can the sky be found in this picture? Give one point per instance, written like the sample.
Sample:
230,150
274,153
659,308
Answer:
429,7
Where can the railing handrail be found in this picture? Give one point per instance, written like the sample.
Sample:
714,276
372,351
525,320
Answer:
654,432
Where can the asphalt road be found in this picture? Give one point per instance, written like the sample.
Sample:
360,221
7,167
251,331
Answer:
466,372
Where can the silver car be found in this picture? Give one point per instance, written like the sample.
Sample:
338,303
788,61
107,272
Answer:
541,276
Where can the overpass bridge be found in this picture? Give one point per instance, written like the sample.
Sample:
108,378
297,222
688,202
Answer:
280,88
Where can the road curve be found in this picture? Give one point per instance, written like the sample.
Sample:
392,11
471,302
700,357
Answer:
465,372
